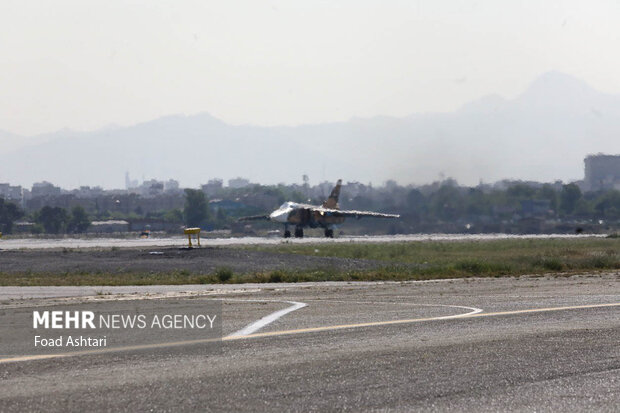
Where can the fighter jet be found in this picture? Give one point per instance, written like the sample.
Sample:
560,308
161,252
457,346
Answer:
325,216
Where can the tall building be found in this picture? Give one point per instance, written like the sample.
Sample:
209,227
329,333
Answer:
130,184
602,172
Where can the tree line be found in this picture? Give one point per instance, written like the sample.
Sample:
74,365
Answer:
58,220
433,204
51,220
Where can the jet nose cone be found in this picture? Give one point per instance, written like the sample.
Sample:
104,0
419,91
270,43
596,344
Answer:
279,215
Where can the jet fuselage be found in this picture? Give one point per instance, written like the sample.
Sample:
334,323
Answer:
303,215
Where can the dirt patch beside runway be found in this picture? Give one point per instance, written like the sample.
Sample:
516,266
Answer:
163,260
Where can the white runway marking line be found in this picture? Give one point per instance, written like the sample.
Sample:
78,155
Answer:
473,311
417,320
299,331
257,325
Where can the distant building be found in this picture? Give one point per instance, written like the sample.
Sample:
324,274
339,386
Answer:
13,193
354,189
171,185
23,227
130,184
322,190
238,183
602,172
40,189
151,188
226,205
108,226
88,192
213,187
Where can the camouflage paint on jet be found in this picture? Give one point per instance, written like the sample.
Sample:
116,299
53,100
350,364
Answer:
325,216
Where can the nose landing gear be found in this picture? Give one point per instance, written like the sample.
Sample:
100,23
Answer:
329,233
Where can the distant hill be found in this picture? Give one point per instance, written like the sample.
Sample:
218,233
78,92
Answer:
9,141
543,135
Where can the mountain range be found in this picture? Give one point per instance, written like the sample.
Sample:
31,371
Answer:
543,135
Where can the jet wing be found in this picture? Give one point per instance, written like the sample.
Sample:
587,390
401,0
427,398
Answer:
254,218
352,213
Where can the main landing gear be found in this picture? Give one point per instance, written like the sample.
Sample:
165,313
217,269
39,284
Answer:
299,232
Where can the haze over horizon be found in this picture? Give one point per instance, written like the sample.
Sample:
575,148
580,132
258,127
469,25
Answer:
493,97
543,134
364,90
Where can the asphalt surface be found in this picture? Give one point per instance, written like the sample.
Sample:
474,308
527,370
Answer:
353,347
9,243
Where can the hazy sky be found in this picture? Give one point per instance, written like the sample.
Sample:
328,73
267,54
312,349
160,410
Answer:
86,64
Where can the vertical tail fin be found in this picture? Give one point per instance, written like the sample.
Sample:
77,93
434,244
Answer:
332,201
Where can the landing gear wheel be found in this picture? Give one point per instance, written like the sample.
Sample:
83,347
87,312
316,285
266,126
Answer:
287,233
329,233
299,232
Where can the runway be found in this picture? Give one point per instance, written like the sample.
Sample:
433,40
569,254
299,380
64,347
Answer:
480,345
180,241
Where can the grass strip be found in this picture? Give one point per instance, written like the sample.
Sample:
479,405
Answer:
419,260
